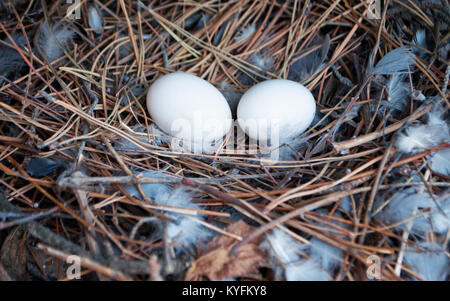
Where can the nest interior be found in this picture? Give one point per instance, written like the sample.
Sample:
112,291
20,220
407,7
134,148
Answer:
85,172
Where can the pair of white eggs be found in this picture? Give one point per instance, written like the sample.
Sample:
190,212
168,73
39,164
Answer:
190,108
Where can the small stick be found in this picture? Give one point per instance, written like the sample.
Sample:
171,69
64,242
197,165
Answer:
343,145
284,218
89,217
374,191
29,218
398,264
86,262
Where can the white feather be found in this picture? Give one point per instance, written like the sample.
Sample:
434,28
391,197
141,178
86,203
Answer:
441,214
245,32
196,147
284,251
426,136
440,161
95,19
182,229
444,50
306,270
431,263
420,138
435,117
262,61
52,39
287,249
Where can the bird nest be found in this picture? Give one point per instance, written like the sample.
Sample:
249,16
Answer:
87,178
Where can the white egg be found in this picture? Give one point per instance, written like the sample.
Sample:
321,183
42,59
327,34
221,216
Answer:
276,109
188,107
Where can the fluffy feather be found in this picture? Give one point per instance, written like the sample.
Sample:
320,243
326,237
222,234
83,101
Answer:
52,39
409,202
353,111
181,229
306,270
443,51
192,20
440,162
159,137
328,225
426,136
262,61
95,19
435,117
196,147
441,215
430,262
420,138
399,92
344,80
285,249
245,32
203,20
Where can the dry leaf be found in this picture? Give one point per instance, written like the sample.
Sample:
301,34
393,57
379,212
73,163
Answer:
218,263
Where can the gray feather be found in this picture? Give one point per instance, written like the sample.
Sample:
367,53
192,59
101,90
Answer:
399,60
95,19
309,64
52,39
430,262
11,59
398,91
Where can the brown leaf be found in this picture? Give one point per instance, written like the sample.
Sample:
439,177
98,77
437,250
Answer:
218,263
239,228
